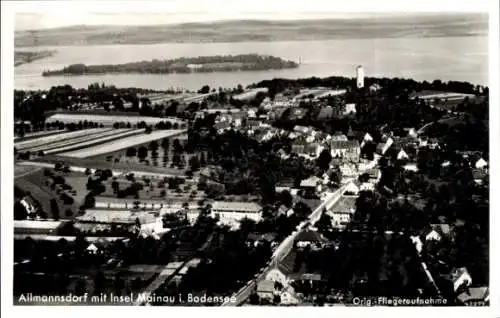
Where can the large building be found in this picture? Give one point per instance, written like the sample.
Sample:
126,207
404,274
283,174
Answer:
231,212
360,77
348,150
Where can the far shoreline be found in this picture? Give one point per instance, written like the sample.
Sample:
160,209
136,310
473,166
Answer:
339,38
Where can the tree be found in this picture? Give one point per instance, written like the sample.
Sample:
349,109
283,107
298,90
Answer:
115,186
205,89
324,222
142,153
54,209
153,145
131,152
80,288
194,163
99,282
68,213
20,212
89,201
254,299
165,143
324,160
286,198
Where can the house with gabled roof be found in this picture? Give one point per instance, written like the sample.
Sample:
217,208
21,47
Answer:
310,238
460,278
302,147
474,296
347,150
481,164
310,183
342,211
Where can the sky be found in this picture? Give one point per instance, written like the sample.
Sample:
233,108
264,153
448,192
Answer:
52,14
25,21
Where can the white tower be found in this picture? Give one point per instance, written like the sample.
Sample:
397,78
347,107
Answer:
360,76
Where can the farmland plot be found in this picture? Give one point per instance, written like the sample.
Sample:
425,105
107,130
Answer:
25,145
73,141
121,144
108,120
94,141
38,134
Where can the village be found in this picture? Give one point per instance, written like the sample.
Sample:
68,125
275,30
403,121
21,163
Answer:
277,194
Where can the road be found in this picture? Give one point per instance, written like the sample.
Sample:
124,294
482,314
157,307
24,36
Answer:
284,247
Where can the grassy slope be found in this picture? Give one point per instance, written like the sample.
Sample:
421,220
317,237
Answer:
256,30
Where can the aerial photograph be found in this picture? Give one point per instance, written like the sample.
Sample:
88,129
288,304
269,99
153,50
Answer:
251,160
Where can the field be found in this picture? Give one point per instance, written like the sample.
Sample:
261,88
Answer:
35,183
38,134
108,120
82,140
121,144
118,134
29,144
36,192
20,171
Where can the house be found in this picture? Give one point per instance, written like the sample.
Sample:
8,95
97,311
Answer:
231,212
351,189
350,109
258,238
411,167
402,155
252,113
265,289
332,175
348,150
342,210
384,146
475,296
222,126
367,186
374,175
481,164
93,249
367,138
310,183
348,170
301,129
277,275
433,235
338,136
29,204
310,238
288,296
36,226
417,242
460,278
288,269
478,175
374,87
412,132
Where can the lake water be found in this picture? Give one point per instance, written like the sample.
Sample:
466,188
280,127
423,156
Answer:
453,58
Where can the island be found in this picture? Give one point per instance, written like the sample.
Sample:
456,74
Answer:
25,57
201,64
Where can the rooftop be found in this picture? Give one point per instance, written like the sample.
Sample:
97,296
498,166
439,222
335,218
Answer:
236,206
343,144
265,286
29,224
345,205
310,182
474,293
